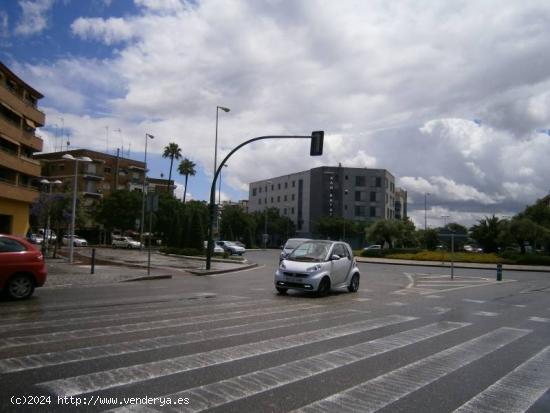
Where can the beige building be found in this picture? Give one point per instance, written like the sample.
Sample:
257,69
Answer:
19,173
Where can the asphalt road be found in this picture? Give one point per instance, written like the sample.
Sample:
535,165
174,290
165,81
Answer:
411,340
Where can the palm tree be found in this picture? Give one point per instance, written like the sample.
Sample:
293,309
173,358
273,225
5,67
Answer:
186,168
172,151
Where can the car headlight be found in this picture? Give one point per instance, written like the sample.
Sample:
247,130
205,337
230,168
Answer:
315,268
282,266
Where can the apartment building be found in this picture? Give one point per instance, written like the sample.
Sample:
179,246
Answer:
106,173
400,203
353,193
19,173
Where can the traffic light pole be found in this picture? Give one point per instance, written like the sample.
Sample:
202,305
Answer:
316,149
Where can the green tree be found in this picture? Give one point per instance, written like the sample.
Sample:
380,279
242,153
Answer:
236,224
186,168
172,151
120,210
430,238
524,230
385,231
486,233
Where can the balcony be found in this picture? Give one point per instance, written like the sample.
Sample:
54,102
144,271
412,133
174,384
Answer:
92,176
20,105
18,193
14,132
23,165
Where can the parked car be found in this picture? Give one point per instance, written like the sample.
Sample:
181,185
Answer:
372,247
217,248
231,248
318,266
47,233
125,242
290,244
77,241
22,267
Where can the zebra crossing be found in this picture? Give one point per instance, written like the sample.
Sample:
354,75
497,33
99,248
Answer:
318,338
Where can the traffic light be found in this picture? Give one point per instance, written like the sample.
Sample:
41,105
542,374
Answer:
316,148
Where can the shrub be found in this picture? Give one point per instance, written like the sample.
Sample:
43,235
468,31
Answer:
182,251
385,252
525,259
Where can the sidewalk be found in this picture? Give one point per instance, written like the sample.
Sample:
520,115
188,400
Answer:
115,265
447,264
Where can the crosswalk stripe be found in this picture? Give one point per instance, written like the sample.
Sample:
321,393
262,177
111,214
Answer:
247,385
144,326
515,392
383,390
34,361
188,308
137,373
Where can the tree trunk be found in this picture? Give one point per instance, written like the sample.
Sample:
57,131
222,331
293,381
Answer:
185,188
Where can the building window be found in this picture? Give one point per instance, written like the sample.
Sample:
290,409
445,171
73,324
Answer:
260,189
286,185
372,211
271,199
360,181
260,201
286,198
107,170
360,210
357,195
284,211
279,198
253,191
292,197
293,184
278,186
373,196
292,210
266,188
272,187
346,177
378,182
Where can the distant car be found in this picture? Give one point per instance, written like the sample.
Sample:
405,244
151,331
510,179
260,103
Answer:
125,242
217,248
47,233
471,248
77,241
318,266
22,267
231,248
373,247
290,244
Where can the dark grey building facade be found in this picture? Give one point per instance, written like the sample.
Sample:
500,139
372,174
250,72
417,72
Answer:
359,194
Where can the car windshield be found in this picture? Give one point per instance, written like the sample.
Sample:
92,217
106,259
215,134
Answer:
293,243
310,251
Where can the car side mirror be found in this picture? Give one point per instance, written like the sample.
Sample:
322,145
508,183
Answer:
334,257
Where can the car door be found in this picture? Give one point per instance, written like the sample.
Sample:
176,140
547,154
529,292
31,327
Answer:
341,266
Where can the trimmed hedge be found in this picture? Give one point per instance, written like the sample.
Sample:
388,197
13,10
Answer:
182,251
526,259
385,252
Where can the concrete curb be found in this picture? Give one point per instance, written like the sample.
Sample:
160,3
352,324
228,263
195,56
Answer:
471,266
211,272
148,278
195,258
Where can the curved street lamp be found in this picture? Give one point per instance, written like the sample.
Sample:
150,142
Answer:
216,142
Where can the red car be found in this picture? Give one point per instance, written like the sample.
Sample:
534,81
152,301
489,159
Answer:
22,267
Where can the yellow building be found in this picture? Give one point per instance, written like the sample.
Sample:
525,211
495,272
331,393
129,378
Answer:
19,173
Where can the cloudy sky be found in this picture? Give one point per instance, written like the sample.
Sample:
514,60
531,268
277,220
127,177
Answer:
453,98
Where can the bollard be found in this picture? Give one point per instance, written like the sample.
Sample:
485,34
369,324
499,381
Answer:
93,261
499,272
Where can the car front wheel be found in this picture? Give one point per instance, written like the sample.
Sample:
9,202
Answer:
281,290
354,284
20,286
324,287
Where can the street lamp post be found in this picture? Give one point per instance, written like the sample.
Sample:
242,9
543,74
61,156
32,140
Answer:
216,142
47,232
75,187
142,223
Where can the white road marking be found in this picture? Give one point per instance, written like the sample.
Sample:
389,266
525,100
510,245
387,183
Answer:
236,388
361,299
86,383
539,319
469,300
486,313
235,272
187,309
520,305
144,326
441,310
434,296
411,280
34,361
515,392
383,390
396,304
